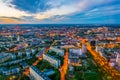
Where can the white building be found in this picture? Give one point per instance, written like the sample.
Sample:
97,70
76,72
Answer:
53,61
99,50
84,48
74,55
77,51
58,51
18,38
37,75
118,59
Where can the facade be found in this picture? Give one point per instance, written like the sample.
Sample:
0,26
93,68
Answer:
37,75
53,61
49,72
18,38
99,50
84,48
13,56
20,54
118,59
28,53
76,51
58,51
74,57
40,52
11,71
33,51
4,57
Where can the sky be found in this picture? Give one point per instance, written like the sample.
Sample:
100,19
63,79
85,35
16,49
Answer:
59,11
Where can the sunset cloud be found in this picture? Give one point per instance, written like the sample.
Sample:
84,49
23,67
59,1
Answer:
41,11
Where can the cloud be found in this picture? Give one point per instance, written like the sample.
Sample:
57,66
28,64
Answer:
76,6
31,6
10,20
103,11
63,10
40,11
10,11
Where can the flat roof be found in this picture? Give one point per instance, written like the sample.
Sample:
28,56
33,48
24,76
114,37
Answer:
40,73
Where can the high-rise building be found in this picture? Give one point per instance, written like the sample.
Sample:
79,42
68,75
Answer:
18,38
118,59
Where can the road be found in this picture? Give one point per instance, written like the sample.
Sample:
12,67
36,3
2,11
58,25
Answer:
115,75
64,67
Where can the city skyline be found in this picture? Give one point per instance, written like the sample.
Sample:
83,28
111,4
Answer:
59,12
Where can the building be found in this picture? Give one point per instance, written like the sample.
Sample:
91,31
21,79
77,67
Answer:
52,60
18,38
84,48
118,59
58,51
33,51
40,52
77,51
13,56
28,53
99,50
24,65
4,57
37,75
20,54
2,69
11,71
74,56
49,72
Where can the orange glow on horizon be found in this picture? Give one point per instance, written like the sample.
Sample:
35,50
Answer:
9,21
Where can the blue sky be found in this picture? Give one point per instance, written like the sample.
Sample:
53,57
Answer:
60,11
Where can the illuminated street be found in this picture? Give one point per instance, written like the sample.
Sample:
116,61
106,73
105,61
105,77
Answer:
59,39
115,75
26,72
64,67
59,52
